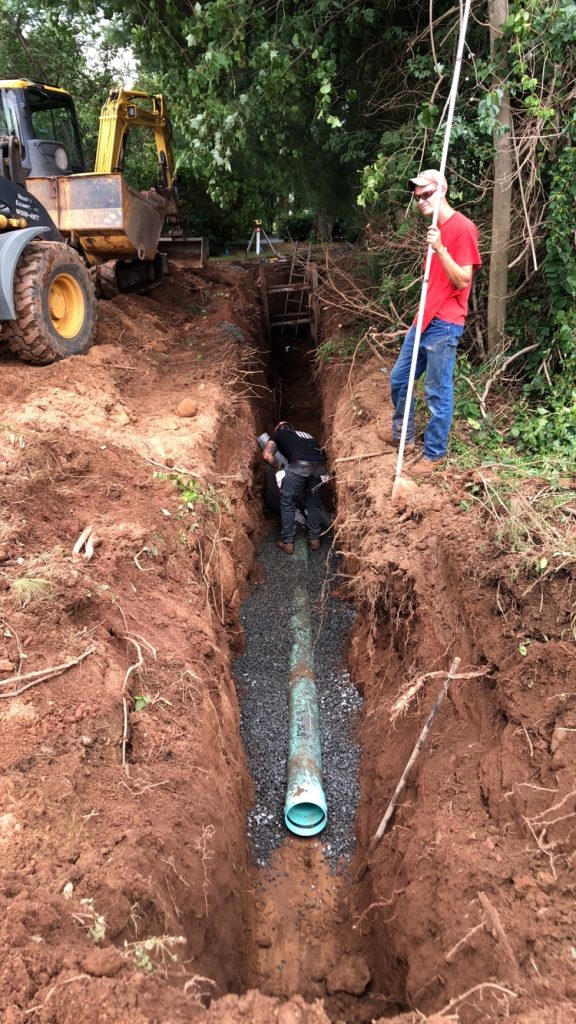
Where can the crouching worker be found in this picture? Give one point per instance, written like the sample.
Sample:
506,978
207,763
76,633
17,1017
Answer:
306,466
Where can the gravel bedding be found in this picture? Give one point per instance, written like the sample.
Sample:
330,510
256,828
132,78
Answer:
262,680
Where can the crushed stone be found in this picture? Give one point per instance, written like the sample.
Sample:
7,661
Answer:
262,673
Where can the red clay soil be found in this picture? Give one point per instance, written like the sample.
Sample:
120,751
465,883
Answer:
472,887
126,890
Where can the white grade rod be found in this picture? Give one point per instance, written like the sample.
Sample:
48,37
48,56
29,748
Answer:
429,254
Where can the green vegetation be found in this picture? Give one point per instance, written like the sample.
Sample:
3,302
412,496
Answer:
157,950
530,517
297,226
50,44
343,347
314,115
194,493
508,426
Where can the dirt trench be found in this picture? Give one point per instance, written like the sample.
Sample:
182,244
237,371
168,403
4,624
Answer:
127,891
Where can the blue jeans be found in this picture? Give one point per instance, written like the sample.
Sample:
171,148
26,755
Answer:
436,357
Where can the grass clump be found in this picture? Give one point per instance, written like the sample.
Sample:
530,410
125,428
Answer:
343,347
28,590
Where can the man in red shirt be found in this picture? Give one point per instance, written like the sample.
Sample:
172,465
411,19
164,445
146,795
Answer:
456,255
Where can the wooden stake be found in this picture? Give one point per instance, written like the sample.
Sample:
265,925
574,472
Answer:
413,756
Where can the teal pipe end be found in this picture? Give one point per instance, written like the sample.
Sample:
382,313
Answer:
306,814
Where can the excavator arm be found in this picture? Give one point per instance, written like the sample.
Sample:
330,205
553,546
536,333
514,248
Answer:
125,109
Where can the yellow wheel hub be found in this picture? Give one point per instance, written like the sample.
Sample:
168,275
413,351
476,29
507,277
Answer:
66,304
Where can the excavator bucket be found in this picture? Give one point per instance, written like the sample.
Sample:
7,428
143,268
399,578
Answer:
196,250
109,219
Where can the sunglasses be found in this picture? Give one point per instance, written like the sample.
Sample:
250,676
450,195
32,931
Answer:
425,196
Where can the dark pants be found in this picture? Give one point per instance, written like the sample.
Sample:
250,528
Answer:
301,484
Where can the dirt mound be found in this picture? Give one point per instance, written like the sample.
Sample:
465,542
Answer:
470,888
118,822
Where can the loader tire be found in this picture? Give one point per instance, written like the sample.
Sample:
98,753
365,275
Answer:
55,305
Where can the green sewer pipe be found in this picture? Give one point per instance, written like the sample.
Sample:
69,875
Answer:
305,809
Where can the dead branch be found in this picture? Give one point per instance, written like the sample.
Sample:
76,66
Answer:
431,25
131,638
545,848
372,347
473,388
401,703
522,195
451,954
143,551
498,373
33,678
365,455
494,926
413,756
85,540
492,985
59,984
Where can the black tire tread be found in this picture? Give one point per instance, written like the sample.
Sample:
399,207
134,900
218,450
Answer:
25,336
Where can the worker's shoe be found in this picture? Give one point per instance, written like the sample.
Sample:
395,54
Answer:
388,438
286,545
314,543
425,467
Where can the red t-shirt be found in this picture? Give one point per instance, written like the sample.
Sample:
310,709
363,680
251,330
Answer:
444,300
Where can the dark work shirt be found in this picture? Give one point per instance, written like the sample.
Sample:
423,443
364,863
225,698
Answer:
297,445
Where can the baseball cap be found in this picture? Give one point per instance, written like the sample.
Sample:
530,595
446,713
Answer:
431,177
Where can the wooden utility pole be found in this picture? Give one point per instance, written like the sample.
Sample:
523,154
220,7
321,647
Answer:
502,194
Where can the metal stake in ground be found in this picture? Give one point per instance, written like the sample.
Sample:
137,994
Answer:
420,743
305,811
399,484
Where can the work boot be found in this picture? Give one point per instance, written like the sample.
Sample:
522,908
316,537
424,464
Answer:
314,543
386,435
425,467
286,545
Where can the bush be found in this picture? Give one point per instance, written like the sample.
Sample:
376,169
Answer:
297,226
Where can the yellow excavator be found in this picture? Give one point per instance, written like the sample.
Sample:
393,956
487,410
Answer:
68,234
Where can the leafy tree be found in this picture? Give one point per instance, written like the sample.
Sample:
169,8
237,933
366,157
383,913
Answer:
285,96
51,46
